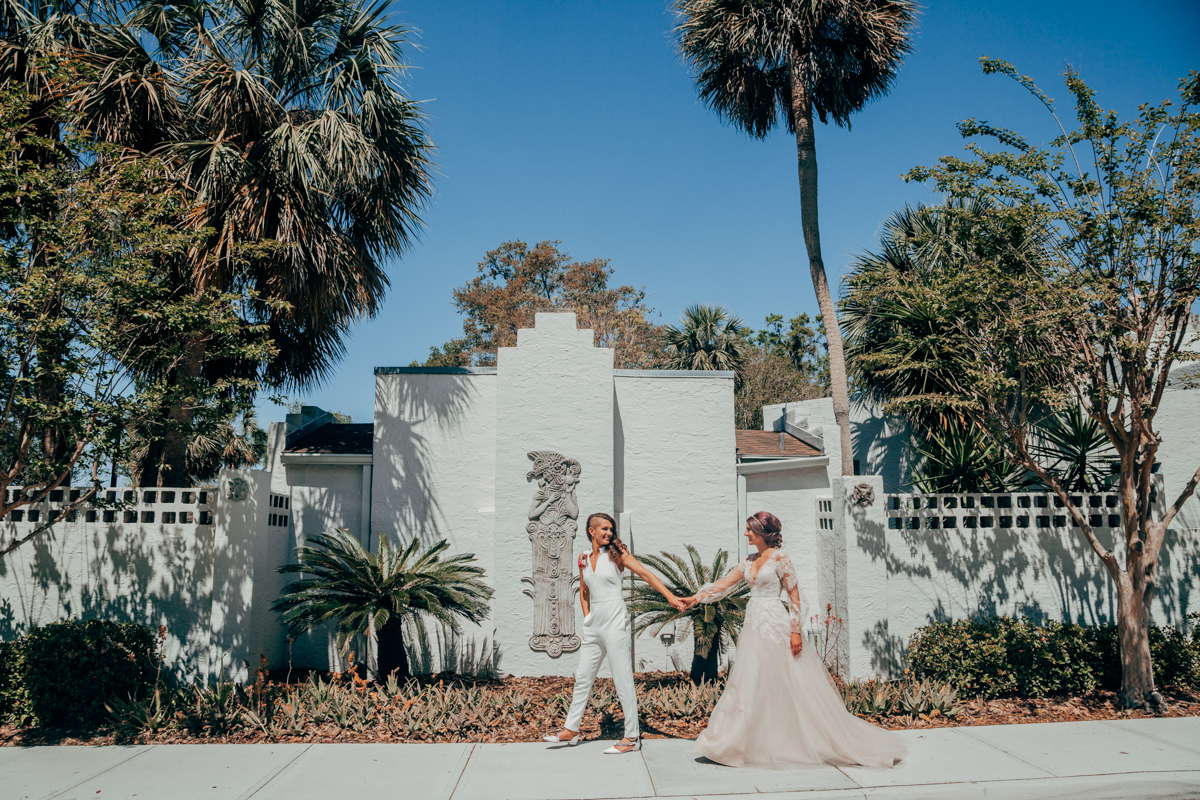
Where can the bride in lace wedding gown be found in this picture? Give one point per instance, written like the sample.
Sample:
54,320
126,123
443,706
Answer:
780,709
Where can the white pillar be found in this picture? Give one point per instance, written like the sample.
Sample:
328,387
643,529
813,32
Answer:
554,392
861,526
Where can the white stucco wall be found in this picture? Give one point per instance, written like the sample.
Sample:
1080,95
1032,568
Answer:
878,442
434,471
210,585
1178,422
554,392
675,478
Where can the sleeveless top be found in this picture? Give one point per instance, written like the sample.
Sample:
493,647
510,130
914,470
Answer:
603,583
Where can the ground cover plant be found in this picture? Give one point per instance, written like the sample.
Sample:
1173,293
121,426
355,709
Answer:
286,705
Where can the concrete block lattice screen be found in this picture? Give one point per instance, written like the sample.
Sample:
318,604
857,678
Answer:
914,559
200,562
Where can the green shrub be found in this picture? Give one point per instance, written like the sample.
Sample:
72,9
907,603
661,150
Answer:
64,673
1004,657
6,657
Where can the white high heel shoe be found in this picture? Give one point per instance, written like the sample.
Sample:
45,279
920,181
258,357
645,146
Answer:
552,738
633,746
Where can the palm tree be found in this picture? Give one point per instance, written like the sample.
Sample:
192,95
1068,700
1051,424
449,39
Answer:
308,164
758,60
376,595
901,314
712,624
707,338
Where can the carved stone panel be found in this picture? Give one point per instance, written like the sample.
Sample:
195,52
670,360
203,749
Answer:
553,516
863,495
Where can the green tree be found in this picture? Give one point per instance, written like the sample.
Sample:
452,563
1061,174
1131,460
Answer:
81,244
707,337
377,594
758,60
712,625
287,125
901,329
515,281
1097,320
802,344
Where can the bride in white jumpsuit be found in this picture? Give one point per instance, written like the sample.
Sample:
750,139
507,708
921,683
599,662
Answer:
606,630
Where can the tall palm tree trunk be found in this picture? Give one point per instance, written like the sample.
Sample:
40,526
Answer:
806,159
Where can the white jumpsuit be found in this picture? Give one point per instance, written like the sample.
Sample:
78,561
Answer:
605,630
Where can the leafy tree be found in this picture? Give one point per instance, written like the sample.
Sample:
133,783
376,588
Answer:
713,625
706,338
756,61
89,322
377,594
287,126
801,344
1096,319
515,281
765,379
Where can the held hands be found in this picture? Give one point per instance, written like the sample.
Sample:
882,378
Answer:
678,603
797,644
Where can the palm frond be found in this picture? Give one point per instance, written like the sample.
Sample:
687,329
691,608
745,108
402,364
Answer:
361,590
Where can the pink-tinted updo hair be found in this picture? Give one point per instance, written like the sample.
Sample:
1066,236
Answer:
768,526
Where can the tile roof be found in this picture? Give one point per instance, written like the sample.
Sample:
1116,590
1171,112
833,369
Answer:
760,444
354,438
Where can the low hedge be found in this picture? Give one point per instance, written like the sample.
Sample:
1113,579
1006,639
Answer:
64,673
1006,657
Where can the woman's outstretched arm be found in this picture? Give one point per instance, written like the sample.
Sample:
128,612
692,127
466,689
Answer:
649,577
712,592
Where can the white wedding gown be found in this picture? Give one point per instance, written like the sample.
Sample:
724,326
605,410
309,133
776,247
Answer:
781,711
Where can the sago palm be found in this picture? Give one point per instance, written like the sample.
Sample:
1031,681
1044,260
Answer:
757,62
712,624
707,338
376,594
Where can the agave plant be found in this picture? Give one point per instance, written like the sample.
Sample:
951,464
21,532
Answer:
713,624
1073,446
377,594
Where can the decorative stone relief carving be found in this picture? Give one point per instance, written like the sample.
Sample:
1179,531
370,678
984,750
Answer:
863,495
237,489
552,525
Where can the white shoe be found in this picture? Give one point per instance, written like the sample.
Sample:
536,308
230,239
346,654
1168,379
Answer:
552,738
633,746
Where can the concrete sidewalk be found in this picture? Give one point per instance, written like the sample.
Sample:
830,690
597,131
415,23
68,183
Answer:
1121,760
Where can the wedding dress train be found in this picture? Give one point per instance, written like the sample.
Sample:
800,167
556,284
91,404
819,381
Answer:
781,711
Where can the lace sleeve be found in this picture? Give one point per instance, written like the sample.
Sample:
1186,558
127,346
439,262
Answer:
787,576
712,592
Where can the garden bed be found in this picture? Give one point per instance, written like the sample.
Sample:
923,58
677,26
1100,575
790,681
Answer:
450,708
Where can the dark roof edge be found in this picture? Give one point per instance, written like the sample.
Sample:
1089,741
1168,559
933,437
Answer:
673,373
435,370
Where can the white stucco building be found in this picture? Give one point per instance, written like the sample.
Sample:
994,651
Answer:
508,462
448,457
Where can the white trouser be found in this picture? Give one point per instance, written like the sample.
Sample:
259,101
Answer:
605,630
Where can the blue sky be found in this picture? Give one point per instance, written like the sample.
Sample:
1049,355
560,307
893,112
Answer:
577,121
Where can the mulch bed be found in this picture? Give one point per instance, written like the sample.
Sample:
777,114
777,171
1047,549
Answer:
545,717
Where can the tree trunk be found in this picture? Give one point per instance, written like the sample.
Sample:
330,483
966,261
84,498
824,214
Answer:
166,461
806,159
1134,590
705,668
392,655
